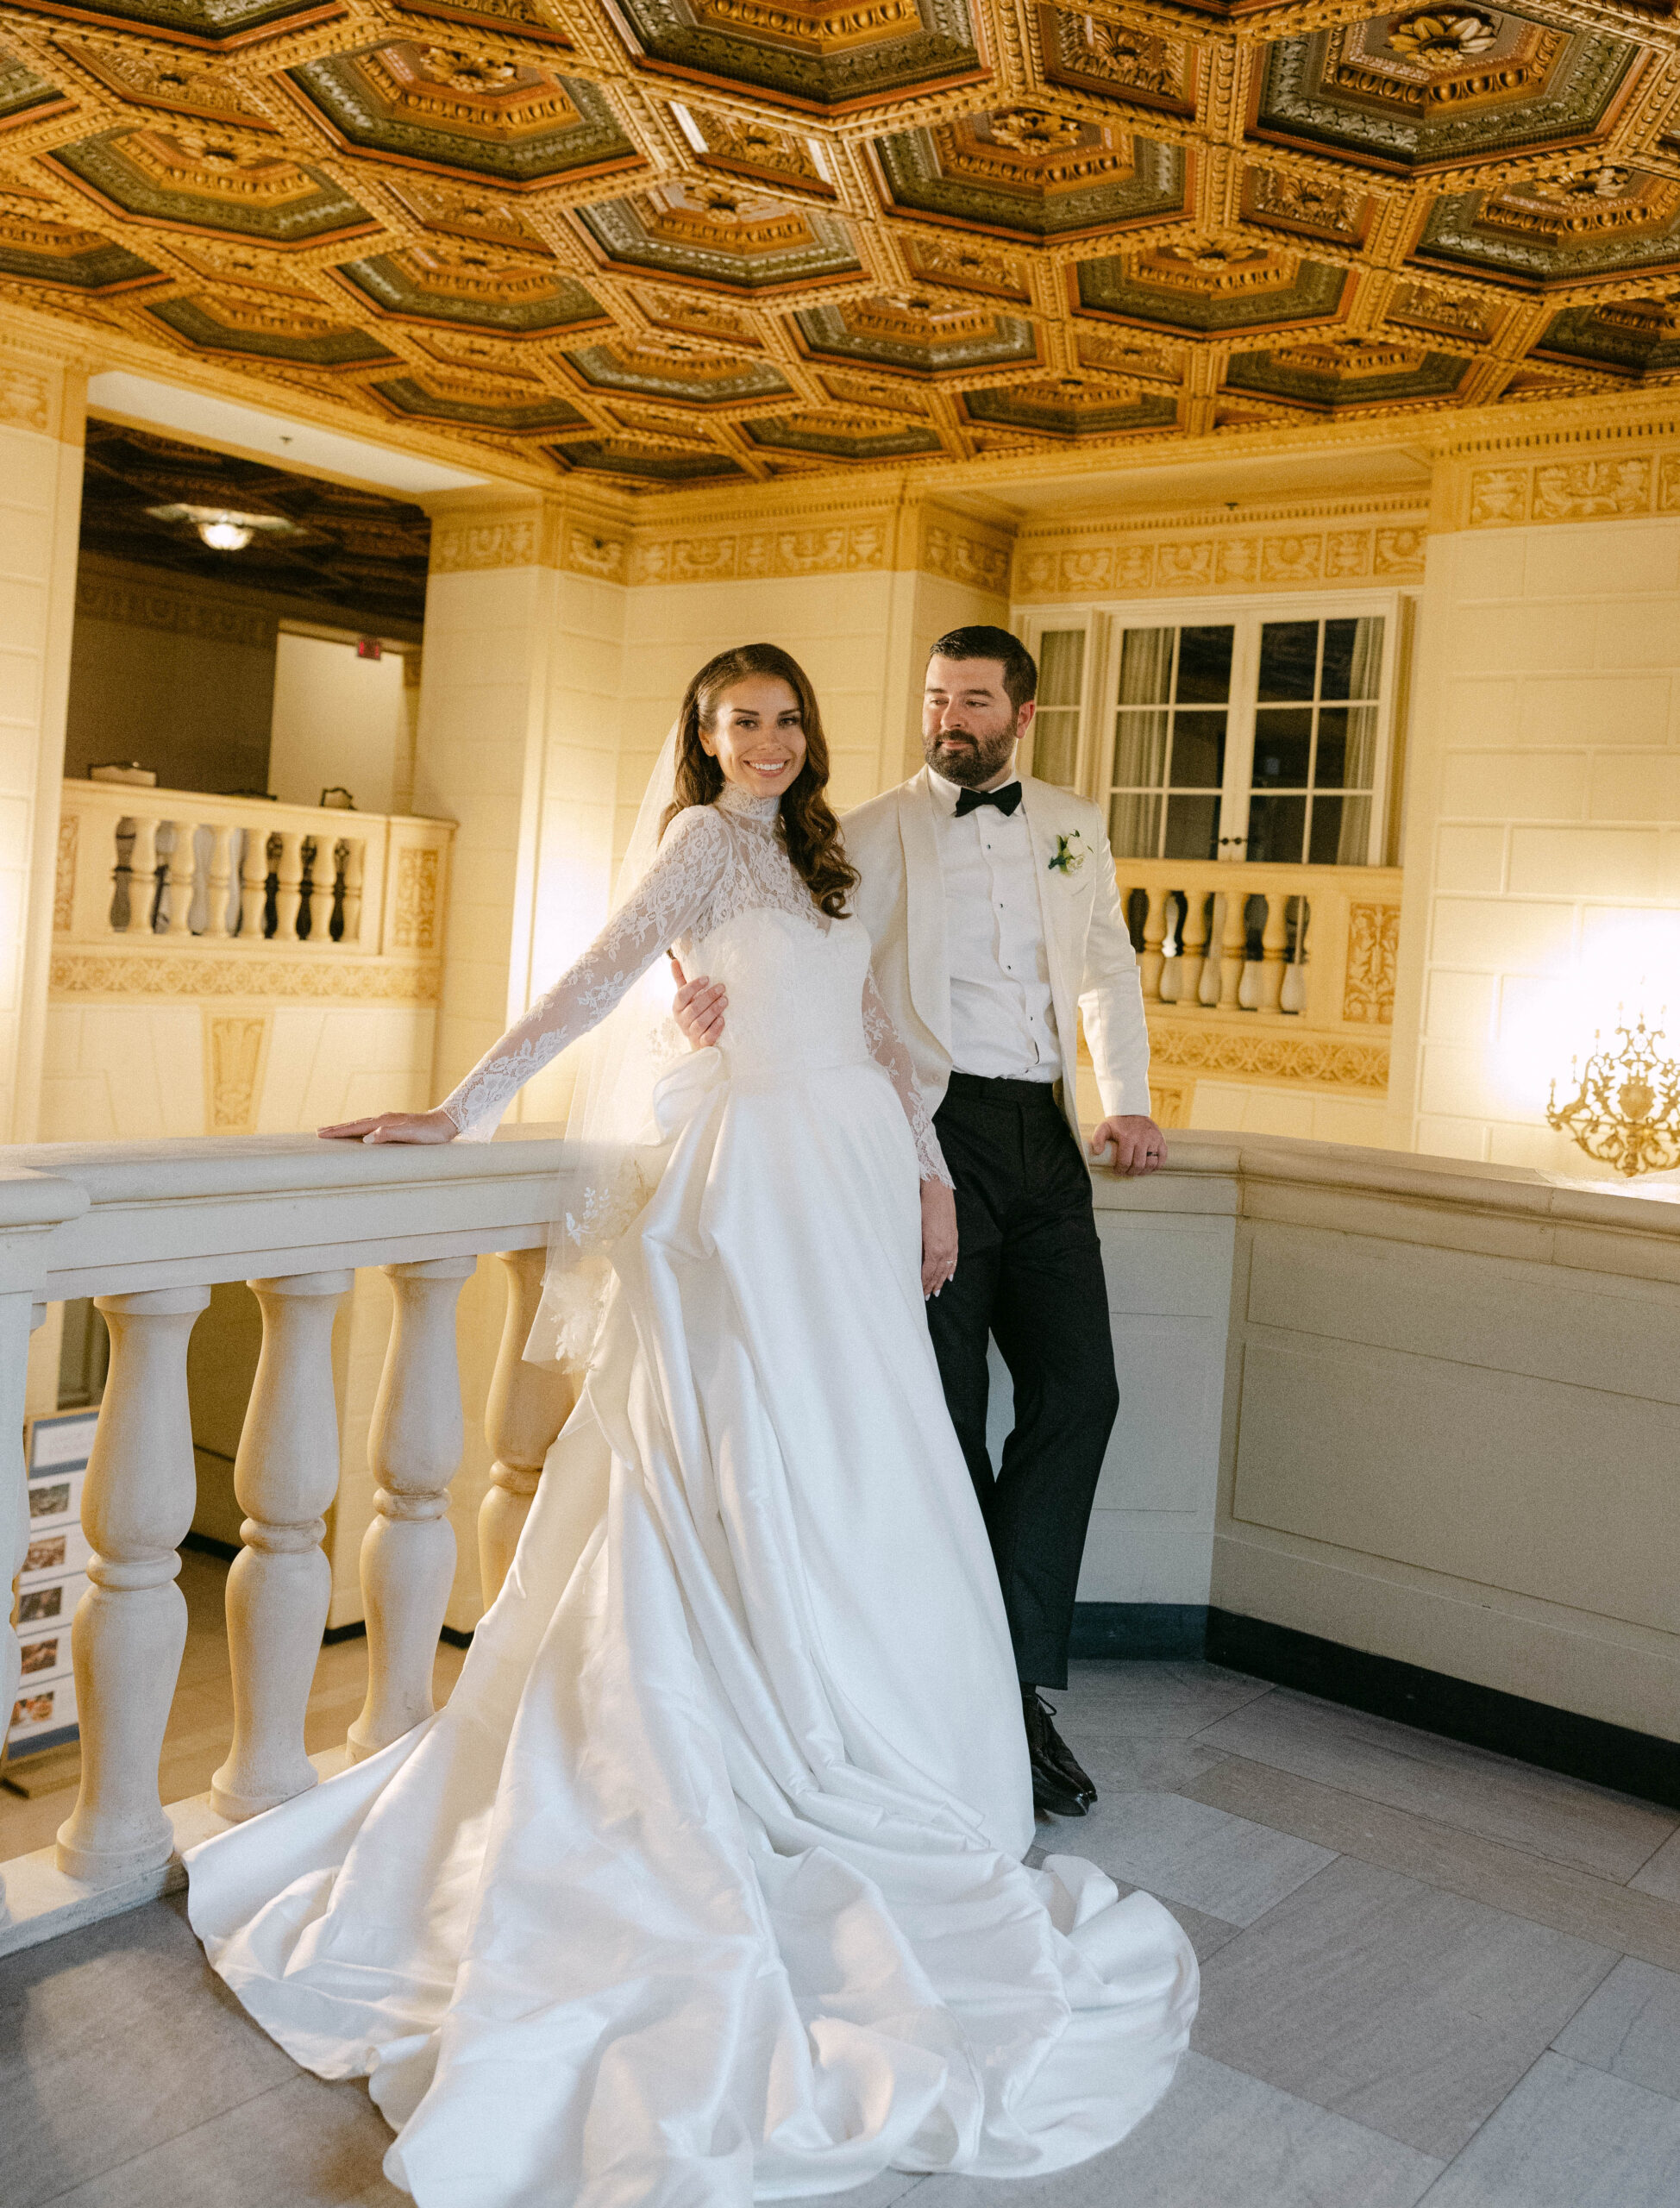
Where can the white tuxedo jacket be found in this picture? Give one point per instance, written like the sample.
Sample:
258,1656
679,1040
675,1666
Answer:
892,842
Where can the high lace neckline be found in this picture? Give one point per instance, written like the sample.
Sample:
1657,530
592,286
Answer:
744,806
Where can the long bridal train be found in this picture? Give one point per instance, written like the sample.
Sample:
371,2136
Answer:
706,1884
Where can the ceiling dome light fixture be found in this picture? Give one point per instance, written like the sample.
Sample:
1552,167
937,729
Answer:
224,532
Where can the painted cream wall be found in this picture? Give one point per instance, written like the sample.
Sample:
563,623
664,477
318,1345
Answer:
40,474
1452,1421
1542,821
338,719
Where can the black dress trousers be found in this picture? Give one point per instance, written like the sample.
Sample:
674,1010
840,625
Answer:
1029,1272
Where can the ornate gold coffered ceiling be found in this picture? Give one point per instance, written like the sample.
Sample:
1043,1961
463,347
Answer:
665,242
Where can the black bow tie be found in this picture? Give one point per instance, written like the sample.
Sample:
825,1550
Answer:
1005,799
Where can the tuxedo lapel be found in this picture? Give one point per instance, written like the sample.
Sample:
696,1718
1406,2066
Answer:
924,909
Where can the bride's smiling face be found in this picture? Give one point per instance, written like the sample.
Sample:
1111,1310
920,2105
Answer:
757,735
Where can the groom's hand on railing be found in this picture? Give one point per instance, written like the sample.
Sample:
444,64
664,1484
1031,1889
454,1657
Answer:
698,1007
1133,1143
394,1126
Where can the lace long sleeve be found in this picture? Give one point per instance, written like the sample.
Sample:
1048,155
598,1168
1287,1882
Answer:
886,1048
665,904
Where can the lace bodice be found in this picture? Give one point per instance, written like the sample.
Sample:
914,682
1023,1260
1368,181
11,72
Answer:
716,861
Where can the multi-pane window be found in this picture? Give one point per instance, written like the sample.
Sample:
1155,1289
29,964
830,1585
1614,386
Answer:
1260,734
1170,727
1315,732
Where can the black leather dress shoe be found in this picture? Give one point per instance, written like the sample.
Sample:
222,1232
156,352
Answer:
1051,1752
1055,1791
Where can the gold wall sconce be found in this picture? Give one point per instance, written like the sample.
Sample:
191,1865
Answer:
1625,1111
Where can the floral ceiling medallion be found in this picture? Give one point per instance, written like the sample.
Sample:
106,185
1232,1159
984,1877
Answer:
1441,41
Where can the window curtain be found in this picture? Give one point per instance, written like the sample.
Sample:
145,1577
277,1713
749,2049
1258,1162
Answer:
1140,741
1353,844
1055,731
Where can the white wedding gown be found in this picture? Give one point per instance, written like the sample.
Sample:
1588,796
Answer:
706,1884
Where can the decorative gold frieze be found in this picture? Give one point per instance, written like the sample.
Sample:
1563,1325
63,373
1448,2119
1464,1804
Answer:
836,548
183,611
1612,486
1190,1045
1126,565
26,397
465,546
168,973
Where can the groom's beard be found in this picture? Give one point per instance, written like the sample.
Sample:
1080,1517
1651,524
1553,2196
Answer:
967,759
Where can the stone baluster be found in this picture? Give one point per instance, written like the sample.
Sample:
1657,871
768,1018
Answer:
142,875
1293,996
1155,935
19,1318
1233,948
284,1475
253,883
289,887
182,871
356,859
1193,947
1274,941
407,1553
526,1407
220,883
131,1626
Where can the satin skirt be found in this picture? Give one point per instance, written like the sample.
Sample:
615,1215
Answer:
706,1884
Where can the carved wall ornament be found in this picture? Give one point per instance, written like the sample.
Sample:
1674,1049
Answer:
26,397
467,548
1373,959
64,878
235,1046
414,924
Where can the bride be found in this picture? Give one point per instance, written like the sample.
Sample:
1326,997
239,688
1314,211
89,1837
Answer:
706,1885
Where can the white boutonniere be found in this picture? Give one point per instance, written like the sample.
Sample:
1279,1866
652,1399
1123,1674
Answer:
1069,854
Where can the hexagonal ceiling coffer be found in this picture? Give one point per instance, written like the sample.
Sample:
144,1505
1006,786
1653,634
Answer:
725,236
1632,338
643,463
827,56
208,177
467,288
915,336
1070,408
444,107
40,249
1432,88
1032,171
1208,286
1347,373
833,433
270,331
677,373
223,24
434,398
1599,221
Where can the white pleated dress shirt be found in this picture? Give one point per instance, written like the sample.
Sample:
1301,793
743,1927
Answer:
1003,1021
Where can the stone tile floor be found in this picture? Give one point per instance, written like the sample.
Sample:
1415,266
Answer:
1429,1974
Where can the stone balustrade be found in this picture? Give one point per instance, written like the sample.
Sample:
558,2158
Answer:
1413,1406
160,867
1316,945
146,1230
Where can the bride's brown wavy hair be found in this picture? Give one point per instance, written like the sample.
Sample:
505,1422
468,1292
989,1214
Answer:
808,825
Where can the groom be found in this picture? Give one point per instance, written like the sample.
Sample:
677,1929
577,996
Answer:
991,902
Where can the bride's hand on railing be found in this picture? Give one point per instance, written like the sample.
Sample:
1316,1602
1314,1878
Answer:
394,1126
